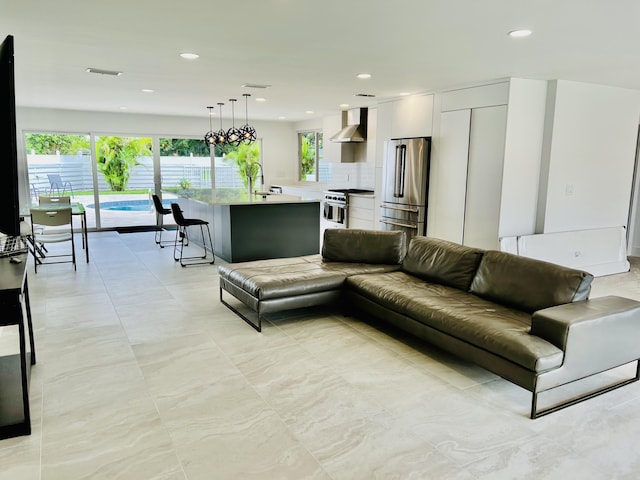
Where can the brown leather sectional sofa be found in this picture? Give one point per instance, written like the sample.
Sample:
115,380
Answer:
530,322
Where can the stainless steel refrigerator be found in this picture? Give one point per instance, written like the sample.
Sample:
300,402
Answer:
405,185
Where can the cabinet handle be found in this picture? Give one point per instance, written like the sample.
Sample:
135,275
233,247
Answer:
398,224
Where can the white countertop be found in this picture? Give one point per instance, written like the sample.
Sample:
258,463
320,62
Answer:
241,197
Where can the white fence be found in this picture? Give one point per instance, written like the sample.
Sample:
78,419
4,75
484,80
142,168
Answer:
76,169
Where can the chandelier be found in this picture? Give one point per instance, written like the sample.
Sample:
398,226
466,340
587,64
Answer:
221,135
233,134
210,136
247,132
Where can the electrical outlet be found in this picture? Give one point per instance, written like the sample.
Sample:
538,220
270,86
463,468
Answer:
568,191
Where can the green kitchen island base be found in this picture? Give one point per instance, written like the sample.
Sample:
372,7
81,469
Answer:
278,227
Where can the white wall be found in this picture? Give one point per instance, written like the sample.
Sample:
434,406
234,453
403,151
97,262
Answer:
523,144
589,154
279,141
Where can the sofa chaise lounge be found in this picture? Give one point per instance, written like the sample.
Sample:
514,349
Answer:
528,321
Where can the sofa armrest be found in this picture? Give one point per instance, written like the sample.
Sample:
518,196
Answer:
595,335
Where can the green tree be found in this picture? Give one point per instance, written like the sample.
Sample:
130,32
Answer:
117,156
52,143
307,155
183,147
243,156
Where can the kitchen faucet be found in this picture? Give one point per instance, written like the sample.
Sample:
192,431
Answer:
249,171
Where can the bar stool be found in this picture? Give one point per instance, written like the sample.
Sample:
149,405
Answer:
160,213
182,234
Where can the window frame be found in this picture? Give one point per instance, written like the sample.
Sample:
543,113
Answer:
318,141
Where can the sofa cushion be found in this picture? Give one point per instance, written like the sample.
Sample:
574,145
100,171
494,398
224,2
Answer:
495,328
442,262
363,246
528,284
281,281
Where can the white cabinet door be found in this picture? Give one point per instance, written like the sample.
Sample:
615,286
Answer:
361,212
412,117
484,177
449,177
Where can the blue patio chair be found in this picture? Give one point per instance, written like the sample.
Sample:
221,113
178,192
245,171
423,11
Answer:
57,184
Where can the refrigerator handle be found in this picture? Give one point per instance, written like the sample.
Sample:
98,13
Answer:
403,167
396,173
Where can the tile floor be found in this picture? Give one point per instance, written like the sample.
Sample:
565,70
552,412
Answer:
142,374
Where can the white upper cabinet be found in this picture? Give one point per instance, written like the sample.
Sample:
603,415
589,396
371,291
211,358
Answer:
412,117
485,162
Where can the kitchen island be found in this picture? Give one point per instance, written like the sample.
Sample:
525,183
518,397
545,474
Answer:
258,227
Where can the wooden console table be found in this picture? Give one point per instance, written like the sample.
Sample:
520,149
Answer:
15,418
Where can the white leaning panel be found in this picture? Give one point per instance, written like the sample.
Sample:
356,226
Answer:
601,251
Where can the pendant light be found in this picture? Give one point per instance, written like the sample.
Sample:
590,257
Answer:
233,134
247,132
210,136
221,135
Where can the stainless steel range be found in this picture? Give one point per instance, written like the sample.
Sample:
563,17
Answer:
336,206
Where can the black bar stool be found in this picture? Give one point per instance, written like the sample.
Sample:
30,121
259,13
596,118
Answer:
160,213
182,234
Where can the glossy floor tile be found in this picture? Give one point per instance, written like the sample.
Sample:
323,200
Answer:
143,374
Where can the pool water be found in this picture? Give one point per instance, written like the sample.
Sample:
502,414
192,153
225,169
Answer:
129,206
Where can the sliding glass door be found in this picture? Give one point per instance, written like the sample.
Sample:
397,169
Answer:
60,164
125,174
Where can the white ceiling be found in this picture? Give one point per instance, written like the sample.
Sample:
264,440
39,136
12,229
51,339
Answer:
309,51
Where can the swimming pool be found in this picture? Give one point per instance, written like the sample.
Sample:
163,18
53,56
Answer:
129,205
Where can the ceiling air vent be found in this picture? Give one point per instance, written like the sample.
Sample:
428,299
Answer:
368,95
254,85
99,71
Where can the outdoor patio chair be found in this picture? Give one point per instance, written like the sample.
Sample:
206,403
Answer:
54,201
58,217
57,184
182,238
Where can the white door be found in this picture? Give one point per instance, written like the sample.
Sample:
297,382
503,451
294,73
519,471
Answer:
449,177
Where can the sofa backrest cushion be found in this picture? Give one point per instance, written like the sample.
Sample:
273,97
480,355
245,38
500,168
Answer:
364,246
442,262
527,284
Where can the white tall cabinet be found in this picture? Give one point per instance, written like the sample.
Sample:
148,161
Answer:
486,162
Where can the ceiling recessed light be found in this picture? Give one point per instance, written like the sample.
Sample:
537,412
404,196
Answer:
189,55
309,112
404,94
520,33
260,99
282,118
123,108
344,105
364,76
147,90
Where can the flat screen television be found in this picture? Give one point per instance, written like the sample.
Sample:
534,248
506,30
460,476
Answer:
9,199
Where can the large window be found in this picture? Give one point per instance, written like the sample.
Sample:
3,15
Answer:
310,155
115,180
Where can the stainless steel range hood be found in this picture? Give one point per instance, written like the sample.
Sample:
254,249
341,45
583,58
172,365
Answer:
354,127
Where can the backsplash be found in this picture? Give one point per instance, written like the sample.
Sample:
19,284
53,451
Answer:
353,175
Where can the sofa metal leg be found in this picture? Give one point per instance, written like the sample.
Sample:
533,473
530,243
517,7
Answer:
541,413
257,327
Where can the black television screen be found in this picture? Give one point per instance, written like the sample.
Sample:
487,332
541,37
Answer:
9,200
